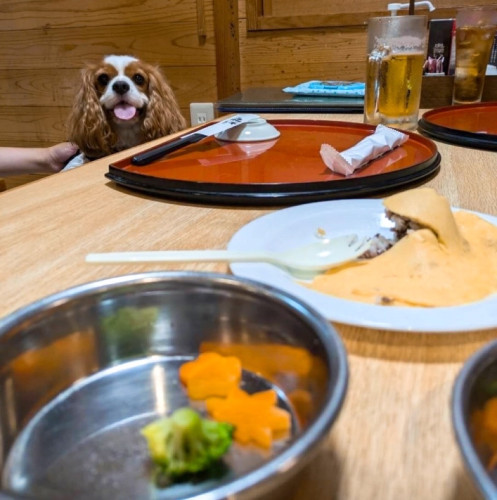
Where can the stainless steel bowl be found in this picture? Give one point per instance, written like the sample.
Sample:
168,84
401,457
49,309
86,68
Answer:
83,370
475,384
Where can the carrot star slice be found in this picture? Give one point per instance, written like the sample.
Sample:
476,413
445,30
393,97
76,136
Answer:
255,416
210,375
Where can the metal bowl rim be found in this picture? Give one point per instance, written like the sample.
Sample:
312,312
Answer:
310,437
470,370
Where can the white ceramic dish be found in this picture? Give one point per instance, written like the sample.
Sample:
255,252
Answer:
298,225
254,130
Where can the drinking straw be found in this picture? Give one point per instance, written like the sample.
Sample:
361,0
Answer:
411,7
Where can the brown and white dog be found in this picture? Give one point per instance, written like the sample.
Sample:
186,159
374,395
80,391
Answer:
121,102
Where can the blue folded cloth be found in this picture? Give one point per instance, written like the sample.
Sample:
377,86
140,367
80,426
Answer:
328,88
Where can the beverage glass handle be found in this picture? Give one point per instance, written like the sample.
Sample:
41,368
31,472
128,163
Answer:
373,94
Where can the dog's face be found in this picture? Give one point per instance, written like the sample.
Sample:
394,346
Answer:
122,85
122,102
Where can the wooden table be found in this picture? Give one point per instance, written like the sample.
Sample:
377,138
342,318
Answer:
393,438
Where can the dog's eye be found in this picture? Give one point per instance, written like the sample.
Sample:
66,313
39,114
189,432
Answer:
139,79
103,79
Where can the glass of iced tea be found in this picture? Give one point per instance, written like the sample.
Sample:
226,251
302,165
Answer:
475,30
396,54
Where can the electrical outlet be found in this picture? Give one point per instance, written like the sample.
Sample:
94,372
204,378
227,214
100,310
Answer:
201,112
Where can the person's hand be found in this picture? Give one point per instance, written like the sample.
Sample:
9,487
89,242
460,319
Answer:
59,154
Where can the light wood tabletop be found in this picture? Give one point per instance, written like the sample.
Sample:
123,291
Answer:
393,438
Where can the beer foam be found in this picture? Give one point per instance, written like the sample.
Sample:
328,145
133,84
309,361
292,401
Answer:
401,43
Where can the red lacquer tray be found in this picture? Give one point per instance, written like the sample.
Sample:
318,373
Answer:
285,170
473,125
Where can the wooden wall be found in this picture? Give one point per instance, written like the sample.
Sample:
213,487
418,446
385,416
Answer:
292,52
44,45
283,58
203,46
278,58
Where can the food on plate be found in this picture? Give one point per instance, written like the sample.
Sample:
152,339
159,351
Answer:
256,417
484,428
185,444
436,258
211,374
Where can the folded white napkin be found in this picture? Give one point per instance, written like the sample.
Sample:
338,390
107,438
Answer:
373,146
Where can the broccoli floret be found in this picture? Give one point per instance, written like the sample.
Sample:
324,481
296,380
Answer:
128,330
185,443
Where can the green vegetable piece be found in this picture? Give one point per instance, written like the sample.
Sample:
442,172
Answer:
186,444
128,330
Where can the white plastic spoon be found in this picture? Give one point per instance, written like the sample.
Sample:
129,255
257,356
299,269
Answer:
302,262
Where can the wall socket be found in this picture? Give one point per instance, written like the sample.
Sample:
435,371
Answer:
201,112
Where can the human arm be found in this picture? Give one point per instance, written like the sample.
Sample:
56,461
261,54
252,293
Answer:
19,161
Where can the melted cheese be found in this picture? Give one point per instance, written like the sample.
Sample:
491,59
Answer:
451,262
426,207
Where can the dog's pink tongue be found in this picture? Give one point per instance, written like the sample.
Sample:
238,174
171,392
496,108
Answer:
125,111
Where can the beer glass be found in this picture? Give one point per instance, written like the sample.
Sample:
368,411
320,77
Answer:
396,54
475,29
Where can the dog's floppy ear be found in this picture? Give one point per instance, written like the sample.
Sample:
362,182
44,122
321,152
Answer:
87,125
163,114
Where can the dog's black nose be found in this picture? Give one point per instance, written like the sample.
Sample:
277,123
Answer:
120,87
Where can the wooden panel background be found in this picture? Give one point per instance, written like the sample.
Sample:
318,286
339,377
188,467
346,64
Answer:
281,14
292,52
205,49
281,58
44,45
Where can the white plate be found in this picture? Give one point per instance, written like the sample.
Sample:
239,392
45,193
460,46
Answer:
298,225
